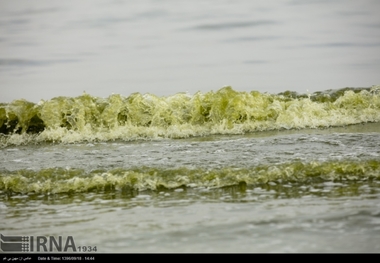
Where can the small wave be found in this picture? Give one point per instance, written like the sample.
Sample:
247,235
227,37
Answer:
59,180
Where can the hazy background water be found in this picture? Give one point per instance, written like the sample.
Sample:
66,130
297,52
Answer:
62,48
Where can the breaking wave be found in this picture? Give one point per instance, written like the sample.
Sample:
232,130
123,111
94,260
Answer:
146,116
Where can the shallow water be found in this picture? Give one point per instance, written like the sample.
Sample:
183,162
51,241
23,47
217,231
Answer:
339,218
105,137
330,206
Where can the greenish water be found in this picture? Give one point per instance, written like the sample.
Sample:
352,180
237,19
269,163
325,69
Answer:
97,143
248,184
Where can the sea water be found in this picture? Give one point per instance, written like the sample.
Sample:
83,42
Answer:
50,49
224,171
165,126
